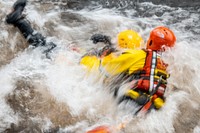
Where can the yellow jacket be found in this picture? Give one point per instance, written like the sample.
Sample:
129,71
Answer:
116,63
127,61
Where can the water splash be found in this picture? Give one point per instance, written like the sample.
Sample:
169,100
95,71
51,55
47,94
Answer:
42,95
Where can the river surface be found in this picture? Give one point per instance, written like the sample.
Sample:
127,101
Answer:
38,94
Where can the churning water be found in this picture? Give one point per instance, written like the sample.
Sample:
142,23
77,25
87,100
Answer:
38,94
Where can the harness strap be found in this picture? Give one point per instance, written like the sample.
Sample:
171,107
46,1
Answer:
153,67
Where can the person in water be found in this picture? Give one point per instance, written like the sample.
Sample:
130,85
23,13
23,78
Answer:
17,19
127,39
143,68
96,59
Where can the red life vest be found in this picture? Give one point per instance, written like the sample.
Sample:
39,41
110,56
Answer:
152,79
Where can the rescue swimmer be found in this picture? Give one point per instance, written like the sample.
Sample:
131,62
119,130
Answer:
96,60
127,39
143,68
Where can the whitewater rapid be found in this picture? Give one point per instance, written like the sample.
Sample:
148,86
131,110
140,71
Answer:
55,95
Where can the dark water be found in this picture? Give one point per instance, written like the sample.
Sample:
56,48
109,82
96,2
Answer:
188,9
74,4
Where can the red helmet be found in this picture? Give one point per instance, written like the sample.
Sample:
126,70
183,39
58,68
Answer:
159,37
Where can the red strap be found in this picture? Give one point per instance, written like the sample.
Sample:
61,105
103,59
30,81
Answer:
146,107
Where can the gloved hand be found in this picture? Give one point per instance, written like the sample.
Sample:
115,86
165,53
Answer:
100,38
142,99
106,51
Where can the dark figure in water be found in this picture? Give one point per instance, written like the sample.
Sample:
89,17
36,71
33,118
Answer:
18,20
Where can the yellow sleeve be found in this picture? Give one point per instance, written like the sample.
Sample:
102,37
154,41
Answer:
90,62
130,60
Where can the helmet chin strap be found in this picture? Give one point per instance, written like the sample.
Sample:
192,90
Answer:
163,48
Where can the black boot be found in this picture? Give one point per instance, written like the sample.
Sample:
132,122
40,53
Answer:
16,14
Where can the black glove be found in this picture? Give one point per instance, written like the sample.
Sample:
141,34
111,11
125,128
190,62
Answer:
100,38
142,99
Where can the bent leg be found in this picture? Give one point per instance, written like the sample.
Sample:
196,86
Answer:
16,18
33,38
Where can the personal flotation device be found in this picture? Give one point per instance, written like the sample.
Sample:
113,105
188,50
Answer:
152,78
